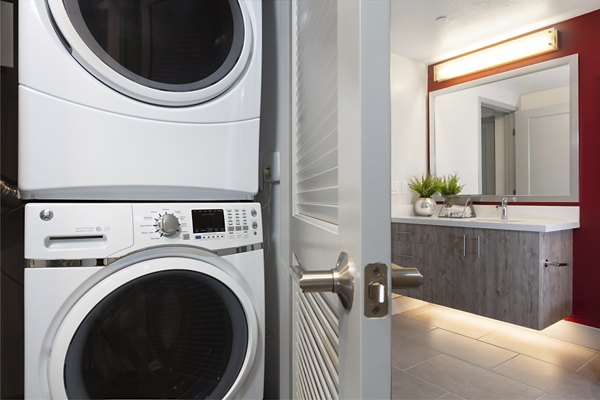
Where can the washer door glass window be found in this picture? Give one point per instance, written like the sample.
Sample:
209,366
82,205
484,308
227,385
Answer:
169,45
169,334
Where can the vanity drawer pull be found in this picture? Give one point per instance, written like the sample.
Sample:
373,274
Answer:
478,239
555,264
407,233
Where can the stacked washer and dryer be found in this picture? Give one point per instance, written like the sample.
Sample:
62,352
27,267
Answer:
138,152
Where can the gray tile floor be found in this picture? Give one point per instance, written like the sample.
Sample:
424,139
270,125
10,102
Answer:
438,353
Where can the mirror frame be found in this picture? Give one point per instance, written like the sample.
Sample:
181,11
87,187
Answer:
572,62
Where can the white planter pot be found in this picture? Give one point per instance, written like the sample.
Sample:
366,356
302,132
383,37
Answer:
425,206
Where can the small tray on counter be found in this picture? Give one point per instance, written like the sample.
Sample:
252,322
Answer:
457,207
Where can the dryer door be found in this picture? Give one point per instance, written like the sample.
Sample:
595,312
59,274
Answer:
163,328
166,52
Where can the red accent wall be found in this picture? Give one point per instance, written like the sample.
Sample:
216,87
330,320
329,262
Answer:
580,35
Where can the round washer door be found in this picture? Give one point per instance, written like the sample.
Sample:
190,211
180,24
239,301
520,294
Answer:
164,328
164,52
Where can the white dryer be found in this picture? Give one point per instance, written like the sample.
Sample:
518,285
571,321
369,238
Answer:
144,301
139,100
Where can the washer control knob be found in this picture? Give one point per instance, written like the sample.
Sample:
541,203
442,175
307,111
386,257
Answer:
253,212
168,225
254,225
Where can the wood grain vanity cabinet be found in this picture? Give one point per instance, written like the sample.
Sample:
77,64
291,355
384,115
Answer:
499,274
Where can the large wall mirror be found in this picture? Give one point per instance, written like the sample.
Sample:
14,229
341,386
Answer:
512,135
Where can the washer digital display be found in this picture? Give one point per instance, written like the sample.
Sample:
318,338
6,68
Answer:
204,221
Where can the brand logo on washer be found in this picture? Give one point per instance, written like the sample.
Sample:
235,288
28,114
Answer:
46,215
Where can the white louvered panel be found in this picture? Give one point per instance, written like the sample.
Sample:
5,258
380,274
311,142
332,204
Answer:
305,384
317,345
303,387
326,196
309,154
316,113
319,211
332,311
321,161
315,384
326,356
324,179
317,118
323,196
316,366
316,146
311,385
325,87
328,332
317,27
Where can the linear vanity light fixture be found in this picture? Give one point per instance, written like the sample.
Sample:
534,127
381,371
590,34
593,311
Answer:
502,53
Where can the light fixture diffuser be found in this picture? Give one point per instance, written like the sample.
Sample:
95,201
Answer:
503,53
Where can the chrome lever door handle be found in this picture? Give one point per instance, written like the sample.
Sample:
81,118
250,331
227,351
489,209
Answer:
337,280
405,277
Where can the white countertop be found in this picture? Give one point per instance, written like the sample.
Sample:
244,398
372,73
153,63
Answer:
534,222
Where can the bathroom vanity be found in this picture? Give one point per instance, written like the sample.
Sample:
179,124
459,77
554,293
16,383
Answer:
496,134
517,271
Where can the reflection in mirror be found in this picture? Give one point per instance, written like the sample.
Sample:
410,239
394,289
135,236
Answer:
512,134
497,150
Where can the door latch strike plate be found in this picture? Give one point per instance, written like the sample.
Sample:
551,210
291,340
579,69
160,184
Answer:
375,290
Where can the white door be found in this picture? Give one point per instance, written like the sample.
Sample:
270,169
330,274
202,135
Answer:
542,150
341,194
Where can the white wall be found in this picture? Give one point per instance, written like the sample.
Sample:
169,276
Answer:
408,80
545,98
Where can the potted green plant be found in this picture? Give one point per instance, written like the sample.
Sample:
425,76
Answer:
425,187
455,206
449,185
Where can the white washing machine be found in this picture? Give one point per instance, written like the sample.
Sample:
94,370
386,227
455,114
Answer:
144,301
139,99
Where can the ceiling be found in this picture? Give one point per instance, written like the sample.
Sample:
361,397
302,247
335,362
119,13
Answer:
471,24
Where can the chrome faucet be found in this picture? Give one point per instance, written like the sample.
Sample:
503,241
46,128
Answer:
504,208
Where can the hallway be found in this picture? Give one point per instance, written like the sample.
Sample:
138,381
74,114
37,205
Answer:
439,353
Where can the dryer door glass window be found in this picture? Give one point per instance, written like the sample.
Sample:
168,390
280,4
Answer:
171,45
170,334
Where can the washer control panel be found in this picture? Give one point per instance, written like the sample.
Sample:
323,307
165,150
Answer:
75,231
222,224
